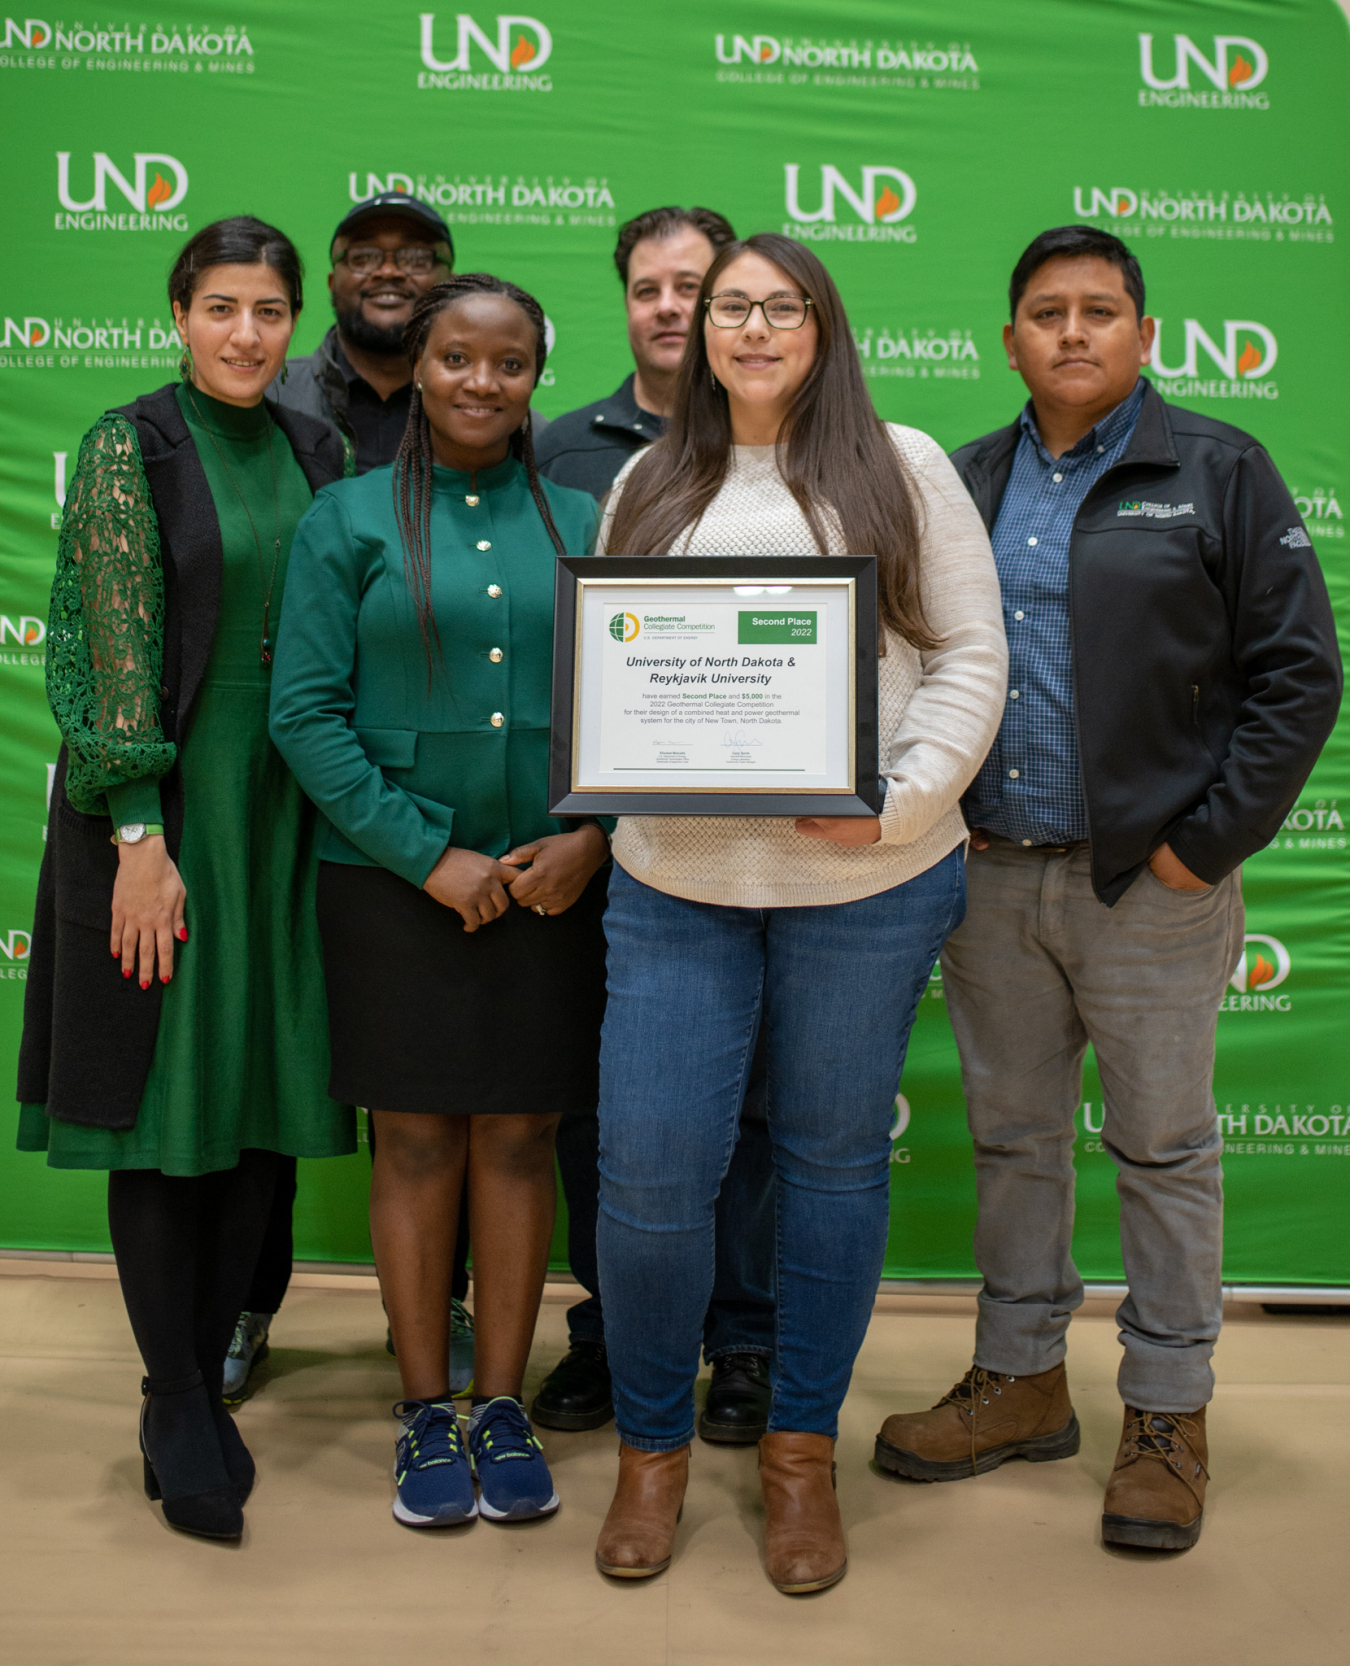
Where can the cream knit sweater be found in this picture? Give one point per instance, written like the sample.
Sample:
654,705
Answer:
939,711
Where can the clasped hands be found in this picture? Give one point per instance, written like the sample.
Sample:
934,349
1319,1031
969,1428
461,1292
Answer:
549,873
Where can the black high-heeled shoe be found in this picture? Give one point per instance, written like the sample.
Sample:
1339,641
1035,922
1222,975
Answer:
184,1464
239,1464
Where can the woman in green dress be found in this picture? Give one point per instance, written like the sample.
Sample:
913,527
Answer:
187,1059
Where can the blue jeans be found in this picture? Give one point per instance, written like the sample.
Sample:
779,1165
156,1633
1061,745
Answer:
690,983
740,1314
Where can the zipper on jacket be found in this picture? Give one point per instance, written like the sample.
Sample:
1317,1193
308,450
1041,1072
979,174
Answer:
1195,704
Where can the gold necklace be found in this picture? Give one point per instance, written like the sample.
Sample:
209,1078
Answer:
267,584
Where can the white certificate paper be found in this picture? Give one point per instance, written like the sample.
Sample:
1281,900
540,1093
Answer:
724,688
682,694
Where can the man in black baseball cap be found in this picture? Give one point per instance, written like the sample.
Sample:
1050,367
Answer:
384,254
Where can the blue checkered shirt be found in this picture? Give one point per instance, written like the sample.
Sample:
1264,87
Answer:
1030,787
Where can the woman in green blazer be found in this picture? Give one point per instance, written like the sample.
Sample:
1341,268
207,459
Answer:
461,926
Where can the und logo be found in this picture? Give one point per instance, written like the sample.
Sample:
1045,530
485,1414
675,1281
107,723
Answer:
1156,511
899,1153
1263,966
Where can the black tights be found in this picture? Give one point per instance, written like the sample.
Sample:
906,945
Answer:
186,1249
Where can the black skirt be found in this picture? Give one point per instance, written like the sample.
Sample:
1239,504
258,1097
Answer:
425,1016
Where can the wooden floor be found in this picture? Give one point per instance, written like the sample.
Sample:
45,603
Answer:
1006,1570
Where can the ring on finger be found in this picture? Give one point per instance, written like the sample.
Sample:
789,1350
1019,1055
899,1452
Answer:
539,908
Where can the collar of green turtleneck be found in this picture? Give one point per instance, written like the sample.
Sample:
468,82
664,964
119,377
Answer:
232,422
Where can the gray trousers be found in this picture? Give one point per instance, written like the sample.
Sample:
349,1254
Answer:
1038,970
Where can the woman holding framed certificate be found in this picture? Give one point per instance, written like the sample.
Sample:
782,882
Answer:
820,930
462,944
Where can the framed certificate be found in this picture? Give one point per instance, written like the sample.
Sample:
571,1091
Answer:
715,686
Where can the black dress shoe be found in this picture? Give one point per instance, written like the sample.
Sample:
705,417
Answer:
736,1412
239,1465
576,1394
184,1467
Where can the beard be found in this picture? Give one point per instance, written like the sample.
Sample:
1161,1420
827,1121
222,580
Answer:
383,339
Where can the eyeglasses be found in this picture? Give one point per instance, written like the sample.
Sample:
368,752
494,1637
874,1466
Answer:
781,312
418,258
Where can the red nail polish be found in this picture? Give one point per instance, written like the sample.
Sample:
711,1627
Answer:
117,954
182,934
125,973
164,977
145,983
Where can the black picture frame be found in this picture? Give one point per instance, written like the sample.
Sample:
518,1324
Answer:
867,793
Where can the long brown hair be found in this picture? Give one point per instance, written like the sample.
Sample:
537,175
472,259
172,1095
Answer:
832,450
415,461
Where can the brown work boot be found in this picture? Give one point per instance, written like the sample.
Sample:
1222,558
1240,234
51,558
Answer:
804,1546
638,1537
1156,1494
988,1417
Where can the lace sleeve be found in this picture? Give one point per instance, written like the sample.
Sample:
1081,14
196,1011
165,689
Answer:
105,635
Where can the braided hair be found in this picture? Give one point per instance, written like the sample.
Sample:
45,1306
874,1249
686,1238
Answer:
413,465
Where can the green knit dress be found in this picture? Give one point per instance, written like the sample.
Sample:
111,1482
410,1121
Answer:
241,1058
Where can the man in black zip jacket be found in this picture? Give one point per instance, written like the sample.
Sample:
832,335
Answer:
1173,676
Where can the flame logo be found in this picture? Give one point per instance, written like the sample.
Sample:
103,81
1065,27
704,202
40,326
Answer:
765,53
32,634
1263,964
1241,71
1249,360
159,192
35,336
522,52
41,35
887,203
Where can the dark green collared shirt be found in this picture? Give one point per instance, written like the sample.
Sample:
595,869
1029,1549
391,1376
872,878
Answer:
400,762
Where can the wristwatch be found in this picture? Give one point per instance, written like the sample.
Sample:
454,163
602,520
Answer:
132,832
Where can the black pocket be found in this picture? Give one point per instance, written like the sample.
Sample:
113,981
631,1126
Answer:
84,861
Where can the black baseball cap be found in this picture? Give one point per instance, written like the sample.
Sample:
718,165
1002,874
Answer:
396,202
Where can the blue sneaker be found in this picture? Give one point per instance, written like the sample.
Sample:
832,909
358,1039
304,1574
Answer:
461,1349
513,1479
431,1467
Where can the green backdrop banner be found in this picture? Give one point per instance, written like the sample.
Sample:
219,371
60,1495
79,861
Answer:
917,147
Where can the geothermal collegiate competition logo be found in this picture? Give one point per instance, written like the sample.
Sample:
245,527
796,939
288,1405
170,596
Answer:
508,63
32,43
870,212
624,627
157,184
1245,355
1236,67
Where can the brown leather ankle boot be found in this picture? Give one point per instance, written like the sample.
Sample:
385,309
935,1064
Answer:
987,1418
1156,1494
804,1545
638,1537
